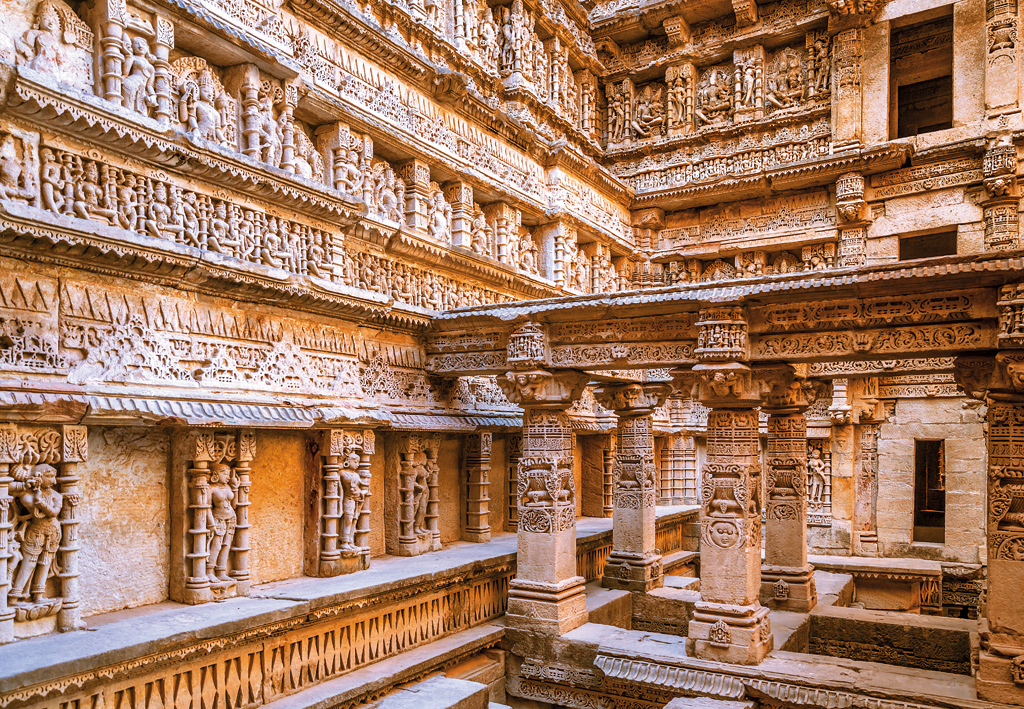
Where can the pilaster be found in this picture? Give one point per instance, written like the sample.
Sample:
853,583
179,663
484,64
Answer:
634,563
478,498
547,594
787,580
999,381
460,196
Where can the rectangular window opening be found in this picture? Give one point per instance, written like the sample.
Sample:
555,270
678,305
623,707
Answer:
921,77
930,491
928,245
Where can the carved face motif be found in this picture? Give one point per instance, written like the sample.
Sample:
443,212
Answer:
724,534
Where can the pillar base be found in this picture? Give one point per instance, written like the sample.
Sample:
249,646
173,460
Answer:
995,678
420,545
6,626
477,535
632,572
552,609
789,588
349,561
741,635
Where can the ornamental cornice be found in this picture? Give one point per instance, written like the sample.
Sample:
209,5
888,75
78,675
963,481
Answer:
145,139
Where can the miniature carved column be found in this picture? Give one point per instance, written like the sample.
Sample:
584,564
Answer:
515,452
847,102
478,498
547,594
998,381
74,450
729,623
1002,84
341,510
505,220
162,78
787,580
634,563
416,174
851,208
460,196
111,62
673,457
608,481
1000,209
8,457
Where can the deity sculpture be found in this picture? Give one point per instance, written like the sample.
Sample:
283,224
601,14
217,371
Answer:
481,240
138,87
201,107
352,489
528,253
12,178
420,492
52,179
816,476
821,65
89,194
221,520
269,131
487,40
439,217
37,506
714,99
648,115
40,47
786,85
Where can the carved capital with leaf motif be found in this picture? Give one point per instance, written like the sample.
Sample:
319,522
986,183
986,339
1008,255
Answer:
540,388
632,400
999,376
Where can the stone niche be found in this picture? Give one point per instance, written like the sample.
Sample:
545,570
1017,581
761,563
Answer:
412,496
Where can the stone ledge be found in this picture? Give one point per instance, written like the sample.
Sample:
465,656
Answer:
380,677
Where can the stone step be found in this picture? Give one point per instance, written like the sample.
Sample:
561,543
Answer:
438,693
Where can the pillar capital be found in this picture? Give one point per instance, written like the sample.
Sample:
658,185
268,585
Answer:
543,389
633,399
788,389
999,376
780,388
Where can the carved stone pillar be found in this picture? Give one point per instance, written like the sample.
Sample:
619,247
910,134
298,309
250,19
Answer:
8,452
846,24
998,381
547,594
460,196
74,450
210,530
418,530
515,452
787,580
478,498
342,494
634,563
416,175
729,623
111,63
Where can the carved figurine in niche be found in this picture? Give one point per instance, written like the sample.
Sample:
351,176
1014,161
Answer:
816,476
37,531
487,40
528,253
649,114
204,108
420,490
89,195
389,193
138,88
714,98
222,239
18,169
481,234
821,66
267,127
52,179
677,98
786,84
59,44
308,162
221,520
439,217
348,176
617,113
352,489
160,218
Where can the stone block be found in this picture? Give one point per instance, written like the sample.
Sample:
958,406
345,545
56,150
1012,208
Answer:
707,703
438,693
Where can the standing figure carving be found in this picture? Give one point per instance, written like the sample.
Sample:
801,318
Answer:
138,88
222,520
37,506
